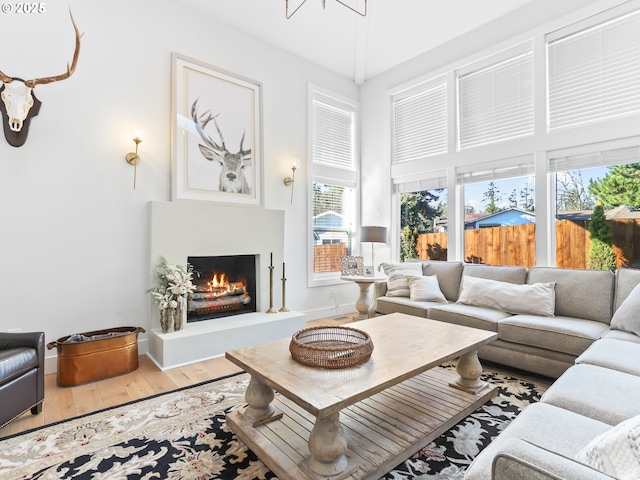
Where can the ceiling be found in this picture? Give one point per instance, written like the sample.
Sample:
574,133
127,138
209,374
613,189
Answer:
357,47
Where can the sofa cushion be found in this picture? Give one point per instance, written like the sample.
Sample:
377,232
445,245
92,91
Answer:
561,334
387,305
584,294
449,275
614,354
425,289
620,335
596,392
467,315
545,426
626,281
615,452
627,316
536,299
397,285
516,275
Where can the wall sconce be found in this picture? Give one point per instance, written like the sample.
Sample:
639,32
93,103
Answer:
289,181
133,158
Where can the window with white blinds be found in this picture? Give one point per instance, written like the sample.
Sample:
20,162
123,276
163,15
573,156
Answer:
420,123
495,98
594,69
333,132
333,141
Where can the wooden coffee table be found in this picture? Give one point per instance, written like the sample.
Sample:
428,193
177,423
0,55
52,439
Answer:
362,421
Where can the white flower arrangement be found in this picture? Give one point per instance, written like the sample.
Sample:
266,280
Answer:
173,284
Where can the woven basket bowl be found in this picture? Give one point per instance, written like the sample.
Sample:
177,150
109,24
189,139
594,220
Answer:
331,347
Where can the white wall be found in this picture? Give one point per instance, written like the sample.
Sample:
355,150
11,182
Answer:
74,242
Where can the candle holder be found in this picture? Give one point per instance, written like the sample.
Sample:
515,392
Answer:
271,309
284,302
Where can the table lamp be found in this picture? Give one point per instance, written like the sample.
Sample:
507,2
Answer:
372,235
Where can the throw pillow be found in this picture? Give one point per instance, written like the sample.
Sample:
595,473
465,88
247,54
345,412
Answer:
425,289
627,316
615,452
397,285
536,299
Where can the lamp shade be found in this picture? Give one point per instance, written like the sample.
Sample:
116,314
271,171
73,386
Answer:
373,234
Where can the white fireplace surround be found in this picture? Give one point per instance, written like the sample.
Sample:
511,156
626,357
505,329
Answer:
182,229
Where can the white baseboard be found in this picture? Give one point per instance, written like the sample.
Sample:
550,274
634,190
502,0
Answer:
345,309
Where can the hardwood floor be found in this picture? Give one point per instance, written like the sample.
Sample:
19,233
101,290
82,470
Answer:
68,402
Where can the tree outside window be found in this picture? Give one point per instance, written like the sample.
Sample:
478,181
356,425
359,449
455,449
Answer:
419,214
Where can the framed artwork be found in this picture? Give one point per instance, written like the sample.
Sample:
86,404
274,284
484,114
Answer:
352,266
216,133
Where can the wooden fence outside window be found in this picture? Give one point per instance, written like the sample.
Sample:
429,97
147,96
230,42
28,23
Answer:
515,245
327,257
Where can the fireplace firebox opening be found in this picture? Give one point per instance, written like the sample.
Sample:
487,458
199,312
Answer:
224,285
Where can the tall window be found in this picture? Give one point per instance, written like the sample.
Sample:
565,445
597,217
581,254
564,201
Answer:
499,220
333,131
495,98
593,69
597,209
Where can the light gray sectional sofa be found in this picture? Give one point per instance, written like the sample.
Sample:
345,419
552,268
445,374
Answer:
588,421
546,345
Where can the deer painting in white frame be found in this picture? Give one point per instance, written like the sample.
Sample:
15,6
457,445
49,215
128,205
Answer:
19,103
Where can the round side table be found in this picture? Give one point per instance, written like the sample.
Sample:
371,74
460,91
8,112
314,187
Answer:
364,300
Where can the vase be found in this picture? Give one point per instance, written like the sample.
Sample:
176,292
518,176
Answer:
171,319
178,322
168,319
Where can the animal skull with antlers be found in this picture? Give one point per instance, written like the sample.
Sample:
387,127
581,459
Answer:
19,104
232,175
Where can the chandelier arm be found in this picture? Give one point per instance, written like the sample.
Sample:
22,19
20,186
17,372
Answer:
286,13
353,9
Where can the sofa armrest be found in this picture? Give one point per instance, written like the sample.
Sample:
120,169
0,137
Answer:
379,290
521,459
28,340
21,340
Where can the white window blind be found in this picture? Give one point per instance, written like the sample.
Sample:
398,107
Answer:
512,168
333,133
420,124
594,71
418,185
618,156
495,102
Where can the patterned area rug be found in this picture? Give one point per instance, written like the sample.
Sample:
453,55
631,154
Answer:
182,436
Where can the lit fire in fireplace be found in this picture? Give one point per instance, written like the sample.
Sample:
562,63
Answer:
222,287
218,295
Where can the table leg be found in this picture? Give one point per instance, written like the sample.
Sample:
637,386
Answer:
364,301
469,370
259,397
328,445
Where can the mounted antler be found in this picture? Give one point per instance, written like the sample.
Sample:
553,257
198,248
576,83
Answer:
70,69
20,105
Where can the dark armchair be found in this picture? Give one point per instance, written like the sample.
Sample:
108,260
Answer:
21,374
